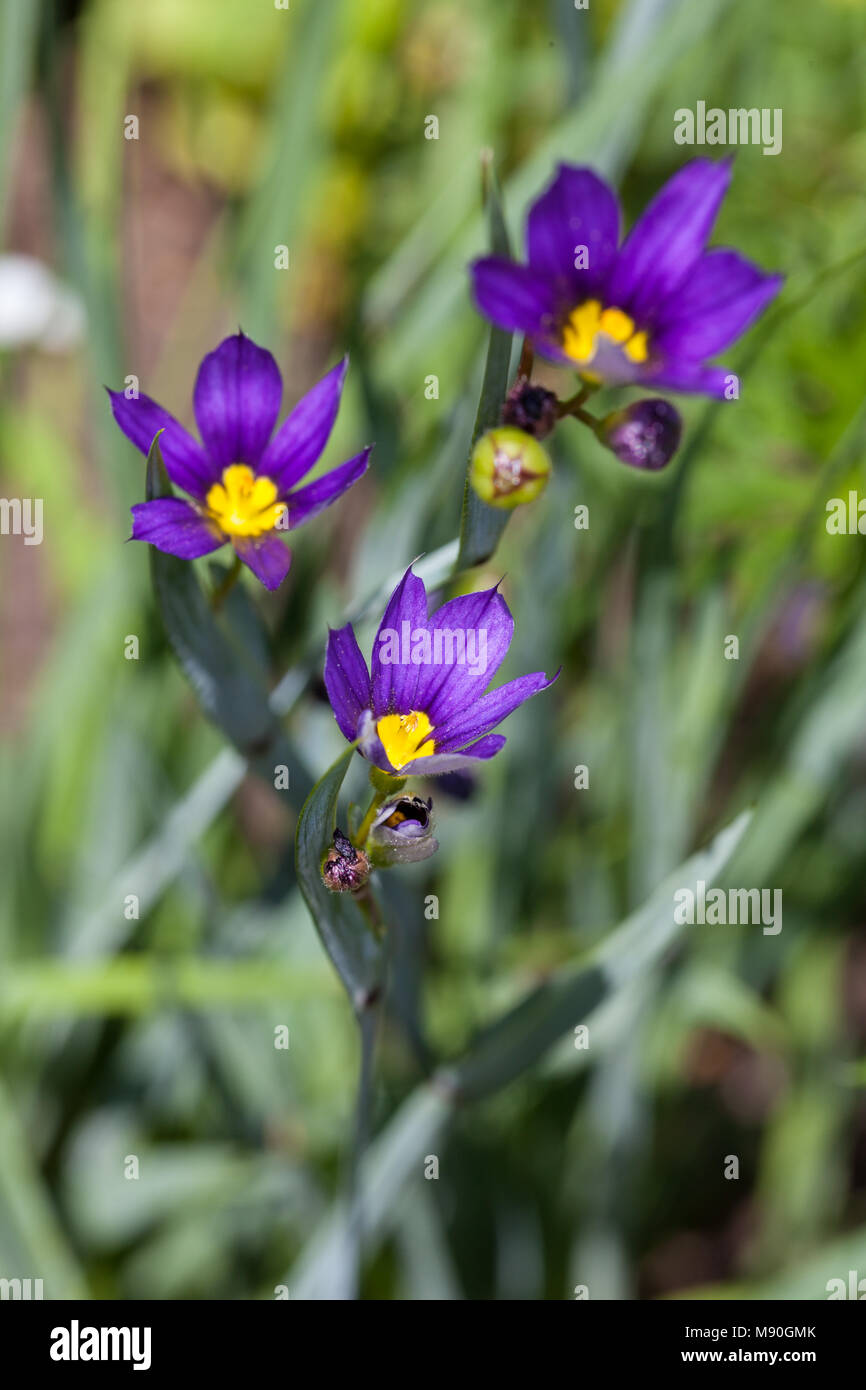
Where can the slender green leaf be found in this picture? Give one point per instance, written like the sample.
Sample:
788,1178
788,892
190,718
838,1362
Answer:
519,1039
482,526
509,1047
218,664
357,957
32,1245
18,22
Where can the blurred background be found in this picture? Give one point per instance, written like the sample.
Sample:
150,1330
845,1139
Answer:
150,1037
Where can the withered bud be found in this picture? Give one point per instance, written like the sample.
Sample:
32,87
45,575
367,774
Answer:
530,408
346,869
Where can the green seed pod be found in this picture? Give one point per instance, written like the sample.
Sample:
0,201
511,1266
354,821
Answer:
508,467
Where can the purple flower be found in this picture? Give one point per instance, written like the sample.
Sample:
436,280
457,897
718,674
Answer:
425,708
242,476
649,312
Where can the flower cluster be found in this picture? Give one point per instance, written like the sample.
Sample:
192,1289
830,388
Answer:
646,313
649,312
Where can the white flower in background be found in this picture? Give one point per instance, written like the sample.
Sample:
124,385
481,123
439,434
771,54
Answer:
37,309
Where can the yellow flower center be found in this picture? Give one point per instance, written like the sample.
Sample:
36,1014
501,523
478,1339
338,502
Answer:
242,504
588,320
401,735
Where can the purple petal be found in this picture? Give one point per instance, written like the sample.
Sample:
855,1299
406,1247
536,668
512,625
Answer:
174,526
514,297
347,680
667,239
438,763
487,627
185,460
395,683
302,436
370,744
693,377
722,296
308,501
577,210
267,556
237,400
488,711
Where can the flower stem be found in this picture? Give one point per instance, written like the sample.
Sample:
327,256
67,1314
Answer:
368,1024
586,418
369,817
370,908
383,787
527,358
573,404
225,585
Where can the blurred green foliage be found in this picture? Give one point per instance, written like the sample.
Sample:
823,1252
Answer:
154,1036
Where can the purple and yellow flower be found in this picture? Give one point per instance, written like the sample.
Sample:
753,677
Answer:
424,708
649,312
242,477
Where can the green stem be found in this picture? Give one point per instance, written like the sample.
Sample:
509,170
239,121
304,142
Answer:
383,787
527,358
370,908
368,1024
587,419
370,816
573,404
225,586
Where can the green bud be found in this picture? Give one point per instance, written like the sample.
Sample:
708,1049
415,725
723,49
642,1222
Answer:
402,832
508,467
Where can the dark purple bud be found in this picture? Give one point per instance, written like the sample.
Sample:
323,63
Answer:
530,408
643,435
346,869
402,832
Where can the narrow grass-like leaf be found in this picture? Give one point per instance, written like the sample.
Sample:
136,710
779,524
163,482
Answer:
387,1168
357,957
272,215
216,662
32,1246
18,23
519,1039
512,1045
131,985
482,526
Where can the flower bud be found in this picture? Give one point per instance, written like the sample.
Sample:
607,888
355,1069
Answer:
508,467
643,435
530,408
402,832
346,869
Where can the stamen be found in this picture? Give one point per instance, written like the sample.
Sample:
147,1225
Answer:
404,737
242,504
588,320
